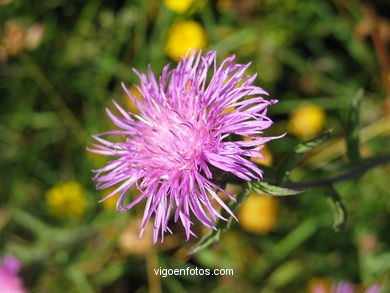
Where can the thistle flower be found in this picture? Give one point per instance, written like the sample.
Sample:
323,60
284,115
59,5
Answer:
9,280
181,141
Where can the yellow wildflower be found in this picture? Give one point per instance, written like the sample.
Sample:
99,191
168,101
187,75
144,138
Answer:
183,36
258,214
306,121
178,6
181,6
66,200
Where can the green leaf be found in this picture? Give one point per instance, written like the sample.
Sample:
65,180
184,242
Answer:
293,157
263,187
352,136
221,225
340,212
259,187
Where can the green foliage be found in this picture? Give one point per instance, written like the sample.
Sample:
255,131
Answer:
293,157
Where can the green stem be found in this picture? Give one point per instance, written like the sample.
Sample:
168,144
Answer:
356,172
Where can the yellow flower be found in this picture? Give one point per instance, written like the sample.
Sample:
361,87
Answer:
178,6
258,214
181,6
66,200
306,121
183,36
224,5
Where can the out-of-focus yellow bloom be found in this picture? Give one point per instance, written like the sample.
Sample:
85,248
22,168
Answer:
178,6
267,161
66,200
181,6
183,36
258,214
306,121
319,285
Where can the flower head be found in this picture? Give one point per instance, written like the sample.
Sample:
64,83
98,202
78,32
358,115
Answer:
9,280
182,140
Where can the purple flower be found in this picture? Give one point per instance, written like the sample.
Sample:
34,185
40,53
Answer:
9,280
346,287
182,140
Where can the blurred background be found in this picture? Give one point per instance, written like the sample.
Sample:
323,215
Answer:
61,64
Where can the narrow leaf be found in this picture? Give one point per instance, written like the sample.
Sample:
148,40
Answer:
263,187
293,157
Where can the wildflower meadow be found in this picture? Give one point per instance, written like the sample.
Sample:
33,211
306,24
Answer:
195,146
